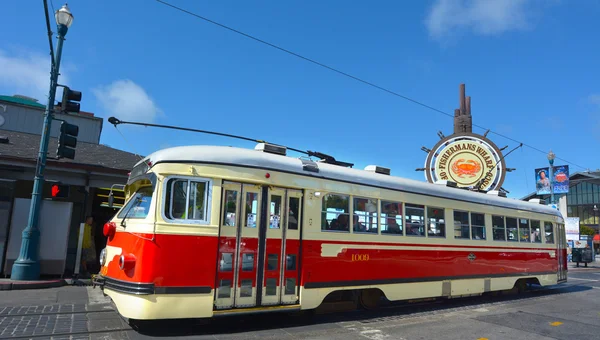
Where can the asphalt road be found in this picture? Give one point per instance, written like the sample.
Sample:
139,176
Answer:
567,311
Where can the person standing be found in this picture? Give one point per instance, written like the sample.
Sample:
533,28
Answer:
88,252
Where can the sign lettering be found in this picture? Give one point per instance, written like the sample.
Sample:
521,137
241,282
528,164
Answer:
466,160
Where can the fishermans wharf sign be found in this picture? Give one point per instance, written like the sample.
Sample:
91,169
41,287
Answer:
470,160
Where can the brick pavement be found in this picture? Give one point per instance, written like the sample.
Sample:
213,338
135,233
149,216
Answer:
59,313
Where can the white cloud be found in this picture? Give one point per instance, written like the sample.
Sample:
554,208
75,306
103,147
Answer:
28,74
127,100
486,17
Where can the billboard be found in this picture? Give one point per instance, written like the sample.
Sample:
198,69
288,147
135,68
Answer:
560,182
572,228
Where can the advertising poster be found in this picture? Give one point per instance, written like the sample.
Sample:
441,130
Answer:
560,181
572,228
542,181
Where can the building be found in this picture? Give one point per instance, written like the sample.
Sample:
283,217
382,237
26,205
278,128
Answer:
85,182
583,200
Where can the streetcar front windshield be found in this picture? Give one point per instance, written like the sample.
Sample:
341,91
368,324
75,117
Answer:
138,205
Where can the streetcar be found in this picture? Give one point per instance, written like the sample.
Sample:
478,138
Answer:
213,230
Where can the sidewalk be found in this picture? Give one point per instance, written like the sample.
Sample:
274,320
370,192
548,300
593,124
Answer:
63,312
582,266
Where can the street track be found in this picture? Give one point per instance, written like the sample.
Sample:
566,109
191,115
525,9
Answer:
246,323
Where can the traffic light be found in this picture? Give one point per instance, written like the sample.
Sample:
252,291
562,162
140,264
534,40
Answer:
67,140
59,191
69,100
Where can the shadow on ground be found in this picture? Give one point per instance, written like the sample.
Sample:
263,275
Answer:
271,321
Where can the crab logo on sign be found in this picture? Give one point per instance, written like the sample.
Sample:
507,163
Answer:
469,160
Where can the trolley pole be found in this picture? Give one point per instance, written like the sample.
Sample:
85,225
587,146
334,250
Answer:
27,265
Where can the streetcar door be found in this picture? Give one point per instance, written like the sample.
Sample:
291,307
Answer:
279,276
238,246
561,246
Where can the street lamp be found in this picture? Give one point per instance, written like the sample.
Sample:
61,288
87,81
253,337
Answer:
551,157
27,265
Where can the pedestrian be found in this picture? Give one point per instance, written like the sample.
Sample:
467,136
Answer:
88,252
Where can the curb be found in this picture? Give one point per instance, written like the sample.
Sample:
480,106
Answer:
22,285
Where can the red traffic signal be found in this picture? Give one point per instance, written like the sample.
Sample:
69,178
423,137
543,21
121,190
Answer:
59,191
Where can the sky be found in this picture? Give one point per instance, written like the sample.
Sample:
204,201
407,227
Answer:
530,66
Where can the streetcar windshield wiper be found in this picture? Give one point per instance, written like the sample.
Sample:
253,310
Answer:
137,200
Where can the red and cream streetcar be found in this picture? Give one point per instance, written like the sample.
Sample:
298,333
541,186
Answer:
210,230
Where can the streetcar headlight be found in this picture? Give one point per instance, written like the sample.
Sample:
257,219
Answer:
127,262
103,257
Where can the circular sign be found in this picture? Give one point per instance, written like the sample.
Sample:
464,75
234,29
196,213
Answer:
468,160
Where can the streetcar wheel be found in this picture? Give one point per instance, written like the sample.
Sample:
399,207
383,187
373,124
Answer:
370,298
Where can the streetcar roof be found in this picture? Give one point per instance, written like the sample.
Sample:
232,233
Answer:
257,159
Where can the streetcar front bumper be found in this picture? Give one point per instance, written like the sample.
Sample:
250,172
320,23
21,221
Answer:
134,288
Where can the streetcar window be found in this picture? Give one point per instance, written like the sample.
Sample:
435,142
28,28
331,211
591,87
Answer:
229,215
271,287
275,219
461,224
498,228
290,262
548,226
536,232
478,226
335,213
186,200
524,233
293,213
251,209
415,219
272,262
436,226
224,289
512,229
226,262
138,205
247,262
290,286
246,288
391,218
364,218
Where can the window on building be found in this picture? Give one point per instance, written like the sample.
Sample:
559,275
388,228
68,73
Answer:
186,200
391,218
498,228
335,213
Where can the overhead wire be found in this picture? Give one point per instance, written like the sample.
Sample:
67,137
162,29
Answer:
350,76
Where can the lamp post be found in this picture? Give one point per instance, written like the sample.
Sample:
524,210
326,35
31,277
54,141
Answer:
551,157
27,266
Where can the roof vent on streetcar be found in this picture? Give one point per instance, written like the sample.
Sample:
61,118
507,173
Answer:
377,169
446,183
271,148
538,201
497,193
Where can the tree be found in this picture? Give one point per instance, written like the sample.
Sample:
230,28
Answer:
585,230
